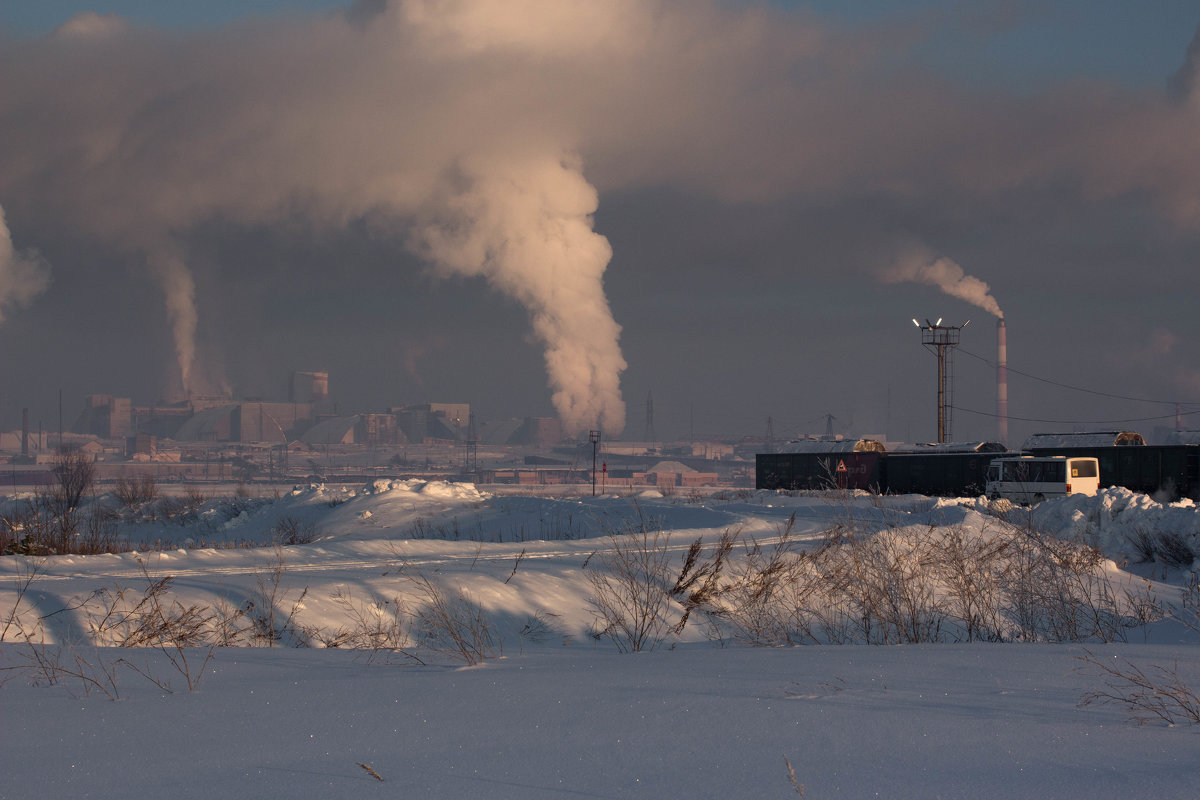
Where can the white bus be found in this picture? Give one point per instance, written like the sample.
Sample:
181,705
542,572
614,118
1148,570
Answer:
1032,479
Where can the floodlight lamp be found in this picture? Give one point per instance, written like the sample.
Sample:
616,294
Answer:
965,324
916,323
939,322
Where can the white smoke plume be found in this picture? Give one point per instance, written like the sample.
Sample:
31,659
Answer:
179,289
526,227
23,275
919,267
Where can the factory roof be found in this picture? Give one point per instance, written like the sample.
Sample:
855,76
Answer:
205,426
339,430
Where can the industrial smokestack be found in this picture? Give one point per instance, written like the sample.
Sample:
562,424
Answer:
24,433
1002,382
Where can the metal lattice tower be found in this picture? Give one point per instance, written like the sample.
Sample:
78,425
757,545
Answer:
829,420
941,340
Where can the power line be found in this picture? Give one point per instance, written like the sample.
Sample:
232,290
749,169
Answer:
1080,422
1073,388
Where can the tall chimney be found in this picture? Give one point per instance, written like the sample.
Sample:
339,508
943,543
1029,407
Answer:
1002,382
24,433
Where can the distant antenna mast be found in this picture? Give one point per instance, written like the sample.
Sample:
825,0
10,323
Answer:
941,340
769,439
650,435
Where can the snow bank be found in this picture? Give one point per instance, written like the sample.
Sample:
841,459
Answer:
1116,520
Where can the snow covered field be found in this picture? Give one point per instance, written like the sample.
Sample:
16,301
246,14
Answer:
551,707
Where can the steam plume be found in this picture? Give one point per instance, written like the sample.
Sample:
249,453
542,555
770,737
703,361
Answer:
179,289
23,275
526,227
946,275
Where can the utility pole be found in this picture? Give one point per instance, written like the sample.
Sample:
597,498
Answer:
594,438
650,436
471,459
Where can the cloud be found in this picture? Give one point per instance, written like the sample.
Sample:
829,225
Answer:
90,25
1161,342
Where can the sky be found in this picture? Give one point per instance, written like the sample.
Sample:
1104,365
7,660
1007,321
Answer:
544,208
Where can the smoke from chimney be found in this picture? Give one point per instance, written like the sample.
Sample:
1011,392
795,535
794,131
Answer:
23,275
526,227
917,266
179,289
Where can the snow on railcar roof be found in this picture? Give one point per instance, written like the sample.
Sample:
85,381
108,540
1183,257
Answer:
833,446
1092,439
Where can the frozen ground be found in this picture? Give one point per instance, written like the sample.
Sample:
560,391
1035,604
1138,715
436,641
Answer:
555,711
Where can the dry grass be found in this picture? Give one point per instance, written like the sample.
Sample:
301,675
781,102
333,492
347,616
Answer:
1153,693
924,584
451,623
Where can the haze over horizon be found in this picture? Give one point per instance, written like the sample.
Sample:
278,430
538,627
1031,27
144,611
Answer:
545,207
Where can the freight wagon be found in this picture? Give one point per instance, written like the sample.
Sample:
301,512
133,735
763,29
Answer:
937,474
1166,472
819,471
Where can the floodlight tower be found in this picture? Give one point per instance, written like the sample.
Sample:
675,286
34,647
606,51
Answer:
941,340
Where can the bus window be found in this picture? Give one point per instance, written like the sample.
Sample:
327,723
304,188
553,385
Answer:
1083,469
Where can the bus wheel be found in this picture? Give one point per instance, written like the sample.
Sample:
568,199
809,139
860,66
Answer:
1039,497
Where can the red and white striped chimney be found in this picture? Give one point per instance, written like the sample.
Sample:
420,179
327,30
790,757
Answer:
1002,382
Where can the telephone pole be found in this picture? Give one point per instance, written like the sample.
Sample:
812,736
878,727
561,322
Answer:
594,438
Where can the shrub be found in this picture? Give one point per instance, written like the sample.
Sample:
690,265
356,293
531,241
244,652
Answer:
631,596
924,584
452,624
1153,693
75,475
136,490
289,531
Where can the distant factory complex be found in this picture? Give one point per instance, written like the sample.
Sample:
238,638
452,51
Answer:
307,437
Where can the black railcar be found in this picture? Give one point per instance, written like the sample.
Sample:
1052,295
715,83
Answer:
819,471
937,474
